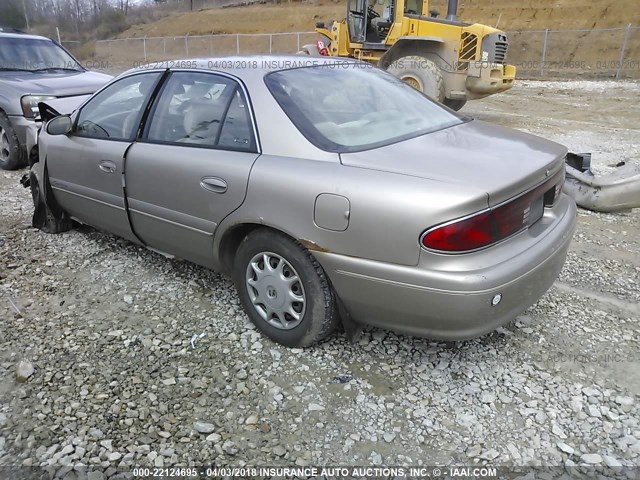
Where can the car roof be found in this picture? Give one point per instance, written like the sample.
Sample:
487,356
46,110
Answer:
243,66
14,33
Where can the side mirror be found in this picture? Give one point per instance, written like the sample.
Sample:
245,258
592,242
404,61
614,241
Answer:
60,125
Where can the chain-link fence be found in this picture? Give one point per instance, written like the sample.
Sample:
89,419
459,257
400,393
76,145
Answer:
602,53
150,49
598,53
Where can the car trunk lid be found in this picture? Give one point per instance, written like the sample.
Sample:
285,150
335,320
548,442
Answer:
502,162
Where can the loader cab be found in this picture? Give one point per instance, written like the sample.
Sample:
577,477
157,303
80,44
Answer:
413,7
357,19
369,21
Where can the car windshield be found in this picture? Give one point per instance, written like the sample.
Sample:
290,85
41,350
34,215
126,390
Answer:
34,54
350,107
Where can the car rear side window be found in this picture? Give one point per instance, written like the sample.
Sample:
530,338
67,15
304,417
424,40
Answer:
202,109
236,130
350,107
115,112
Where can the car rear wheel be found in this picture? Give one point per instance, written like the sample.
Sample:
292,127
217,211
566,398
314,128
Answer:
11,157
421,73
284,290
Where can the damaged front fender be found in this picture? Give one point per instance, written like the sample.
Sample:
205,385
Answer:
47,214
616,192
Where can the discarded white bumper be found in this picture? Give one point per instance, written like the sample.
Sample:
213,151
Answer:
609,193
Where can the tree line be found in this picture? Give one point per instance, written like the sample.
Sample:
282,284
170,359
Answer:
82,19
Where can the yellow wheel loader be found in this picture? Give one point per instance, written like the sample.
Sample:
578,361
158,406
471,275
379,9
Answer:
449,60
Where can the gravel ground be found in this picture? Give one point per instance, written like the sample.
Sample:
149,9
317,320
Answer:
140,360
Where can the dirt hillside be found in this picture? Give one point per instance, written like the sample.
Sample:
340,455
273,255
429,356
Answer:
593,53
292,17
557,14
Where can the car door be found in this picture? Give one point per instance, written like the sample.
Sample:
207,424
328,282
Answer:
191,166
85,167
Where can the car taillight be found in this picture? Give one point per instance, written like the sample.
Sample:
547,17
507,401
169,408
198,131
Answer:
495,224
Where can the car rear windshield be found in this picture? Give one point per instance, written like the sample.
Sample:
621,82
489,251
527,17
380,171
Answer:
349,107
34,54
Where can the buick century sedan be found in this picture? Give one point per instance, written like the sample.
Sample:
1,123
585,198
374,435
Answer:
330,191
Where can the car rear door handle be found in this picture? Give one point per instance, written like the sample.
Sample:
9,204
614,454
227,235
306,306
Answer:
214,184
107,166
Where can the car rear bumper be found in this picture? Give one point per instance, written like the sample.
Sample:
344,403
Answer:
455,303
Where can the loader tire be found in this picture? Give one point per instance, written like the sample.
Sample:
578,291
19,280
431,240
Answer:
421,73
454,104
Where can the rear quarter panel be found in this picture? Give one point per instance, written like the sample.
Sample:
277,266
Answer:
388,212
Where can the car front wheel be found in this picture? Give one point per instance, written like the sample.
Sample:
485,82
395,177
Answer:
284,290
11,156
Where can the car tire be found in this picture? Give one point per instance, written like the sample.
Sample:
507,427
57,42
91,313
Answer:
11,154
294,283
44,218
454,104
421,73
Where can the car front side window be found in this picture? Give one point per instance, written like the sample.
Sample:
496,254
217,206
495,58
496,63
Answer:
202,109
115,112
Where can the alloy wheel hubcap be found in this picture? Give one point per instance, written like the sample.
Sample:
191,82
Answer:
4,145
275,290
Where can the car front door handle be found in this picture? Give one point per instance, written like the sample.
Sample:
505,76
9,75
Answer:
107,166
214,184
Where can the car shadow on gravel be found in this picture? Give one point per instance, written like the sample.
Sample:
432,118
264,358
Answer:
413,347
